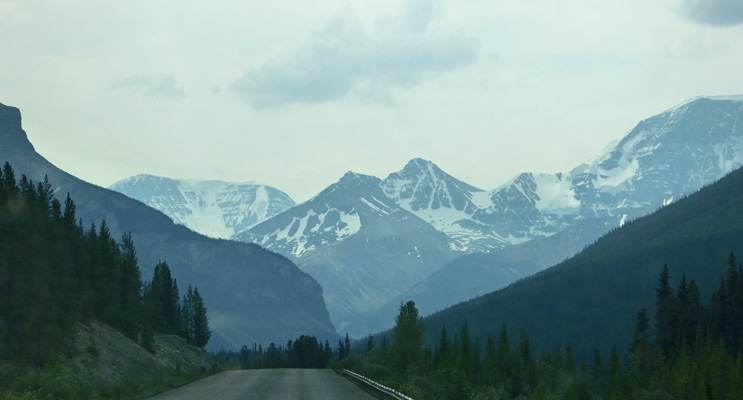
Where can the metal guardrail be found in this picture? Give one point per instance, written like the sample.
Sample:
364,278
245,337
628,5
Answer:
384,389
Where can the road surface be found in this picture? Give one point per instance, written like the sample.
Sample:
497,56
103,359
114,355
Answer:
269,384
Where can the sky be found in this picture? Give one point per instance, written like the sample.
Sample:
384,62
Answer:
294,97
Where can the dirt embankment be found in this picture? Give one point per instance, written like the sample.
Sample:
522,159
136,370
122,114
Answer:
107,357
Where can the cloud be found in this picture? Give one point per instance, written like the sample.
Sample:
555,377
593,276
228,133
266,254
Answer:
151,86
344,58
714,12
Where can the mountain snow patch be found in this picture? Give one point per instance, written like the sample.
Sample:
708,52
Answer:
556,195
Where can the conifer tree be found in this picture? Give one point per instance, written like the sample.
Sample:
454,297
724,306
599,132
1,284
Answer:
130,288
347,345
201,332
328,353
689,314
187,315
407,344
443,351
665,315
166,300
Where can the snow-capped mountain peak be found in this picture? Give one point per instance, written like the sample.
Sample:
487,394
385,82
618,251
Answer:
214,208
422,185
438,198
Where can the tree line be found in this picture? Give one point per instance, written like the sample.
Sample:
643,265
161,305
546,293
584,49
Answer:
304,352
687,351
55,274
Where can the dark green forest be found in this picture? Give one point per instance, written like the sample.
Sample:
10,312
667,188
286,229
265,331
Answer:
688,351
54,275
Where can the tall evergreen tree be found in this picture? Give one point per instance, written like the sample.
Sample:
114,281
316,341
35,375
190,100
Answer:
407,345
130,288
201,332
665,314
187,315
689,314
166,300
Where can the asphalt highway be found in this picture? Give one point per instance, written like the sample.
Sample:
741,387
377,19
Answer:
269,384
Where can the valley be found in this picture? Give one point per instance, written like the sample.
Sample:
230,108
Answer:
567,257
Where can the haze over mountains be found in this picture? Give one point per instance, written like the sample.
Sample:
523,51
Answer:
416,233
252,295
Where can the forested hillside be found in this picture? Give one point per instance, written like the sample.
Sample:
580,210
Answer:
55,274
690,350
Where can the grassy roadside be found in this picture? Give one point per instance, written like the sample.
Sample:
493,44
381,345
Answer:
60,382
104,364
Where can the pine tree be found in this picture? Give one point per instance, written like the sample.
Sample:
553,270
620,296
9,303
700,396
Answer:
341,350
665,314
597,368
503,356
641,337
328,353
408,333
166,300
8,184
689,314
201,332
187,316
130,288
149,314
347,345
464,352
443,352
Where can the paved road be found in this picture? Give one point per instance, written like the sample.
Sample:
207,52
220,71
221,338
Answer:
269,384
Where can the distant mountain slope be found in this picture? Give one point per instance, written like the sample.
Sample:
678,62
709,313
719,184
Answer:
252,295
474,275
591,300
361,246
662,158
214,208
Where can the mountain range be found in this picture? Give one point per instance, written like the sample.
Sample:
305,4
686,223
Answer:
252,295
422,234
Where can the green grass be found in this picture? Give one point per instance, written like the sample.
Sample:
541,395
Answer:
61,382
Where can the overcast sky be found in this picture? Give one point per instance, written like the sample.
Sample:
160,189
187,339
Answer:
294,97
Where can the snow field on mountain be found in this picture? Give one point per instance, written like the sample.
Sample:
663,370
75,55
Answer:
206,216
555,195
